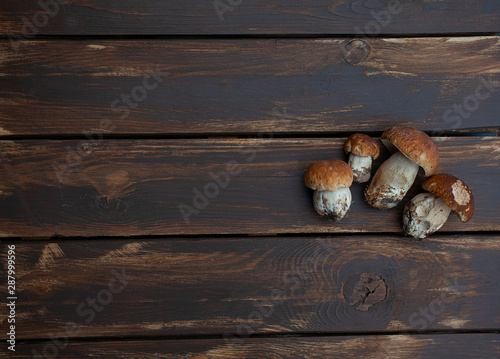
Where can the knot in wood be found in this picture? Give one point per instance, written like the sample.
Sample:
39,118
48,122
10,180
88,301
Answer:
102,202
356,51
364,290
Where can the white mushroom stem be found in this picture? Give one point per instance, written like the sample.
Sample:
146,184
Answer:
334,204
424,215
391,181
361,167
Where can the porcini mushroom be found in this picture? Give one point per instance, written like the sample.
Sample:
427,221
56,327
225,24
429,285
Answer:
411,149
363,149
330,181
427,212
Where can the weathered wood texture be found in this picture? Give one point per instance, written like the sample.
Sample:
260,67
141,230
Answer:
249,86
241,286
200,17
165,187
387,346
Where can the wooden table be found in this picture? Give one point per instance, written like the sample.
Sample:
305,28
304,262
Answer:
151,187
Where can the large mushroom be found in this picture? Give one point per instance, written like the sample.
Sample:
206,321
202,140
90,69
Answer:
411,149
330,181
363,149
427,212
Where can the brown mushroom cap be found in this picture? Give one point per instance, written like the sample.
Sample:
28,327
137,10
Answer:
328,175
362,145
414,144
455,193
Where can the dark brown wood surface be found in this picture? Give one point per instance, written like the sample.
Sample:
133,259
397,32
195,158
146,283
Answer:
235,17
152,156
240,286
288,86
165,187
377,346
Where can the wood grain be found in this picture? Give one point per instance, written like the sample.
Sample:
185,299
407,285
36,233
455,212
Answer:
249,86
233,186
195,17
241,286
379,346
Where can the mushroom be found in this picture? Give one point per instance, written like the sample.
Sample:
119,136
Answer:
411,149
363,149
427,212
330,181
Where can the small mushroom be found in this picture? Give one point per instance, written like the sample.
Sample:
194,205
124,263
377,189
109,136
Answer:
411,149
427,212
363,149
330,181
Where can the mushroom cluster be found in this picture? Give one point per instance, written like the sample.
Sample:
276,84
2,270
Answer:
411,150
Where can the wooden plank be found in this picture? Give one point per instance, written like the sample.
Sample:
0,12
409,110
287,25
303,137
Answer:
379,346
235,287
233,186
249,86
188,17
